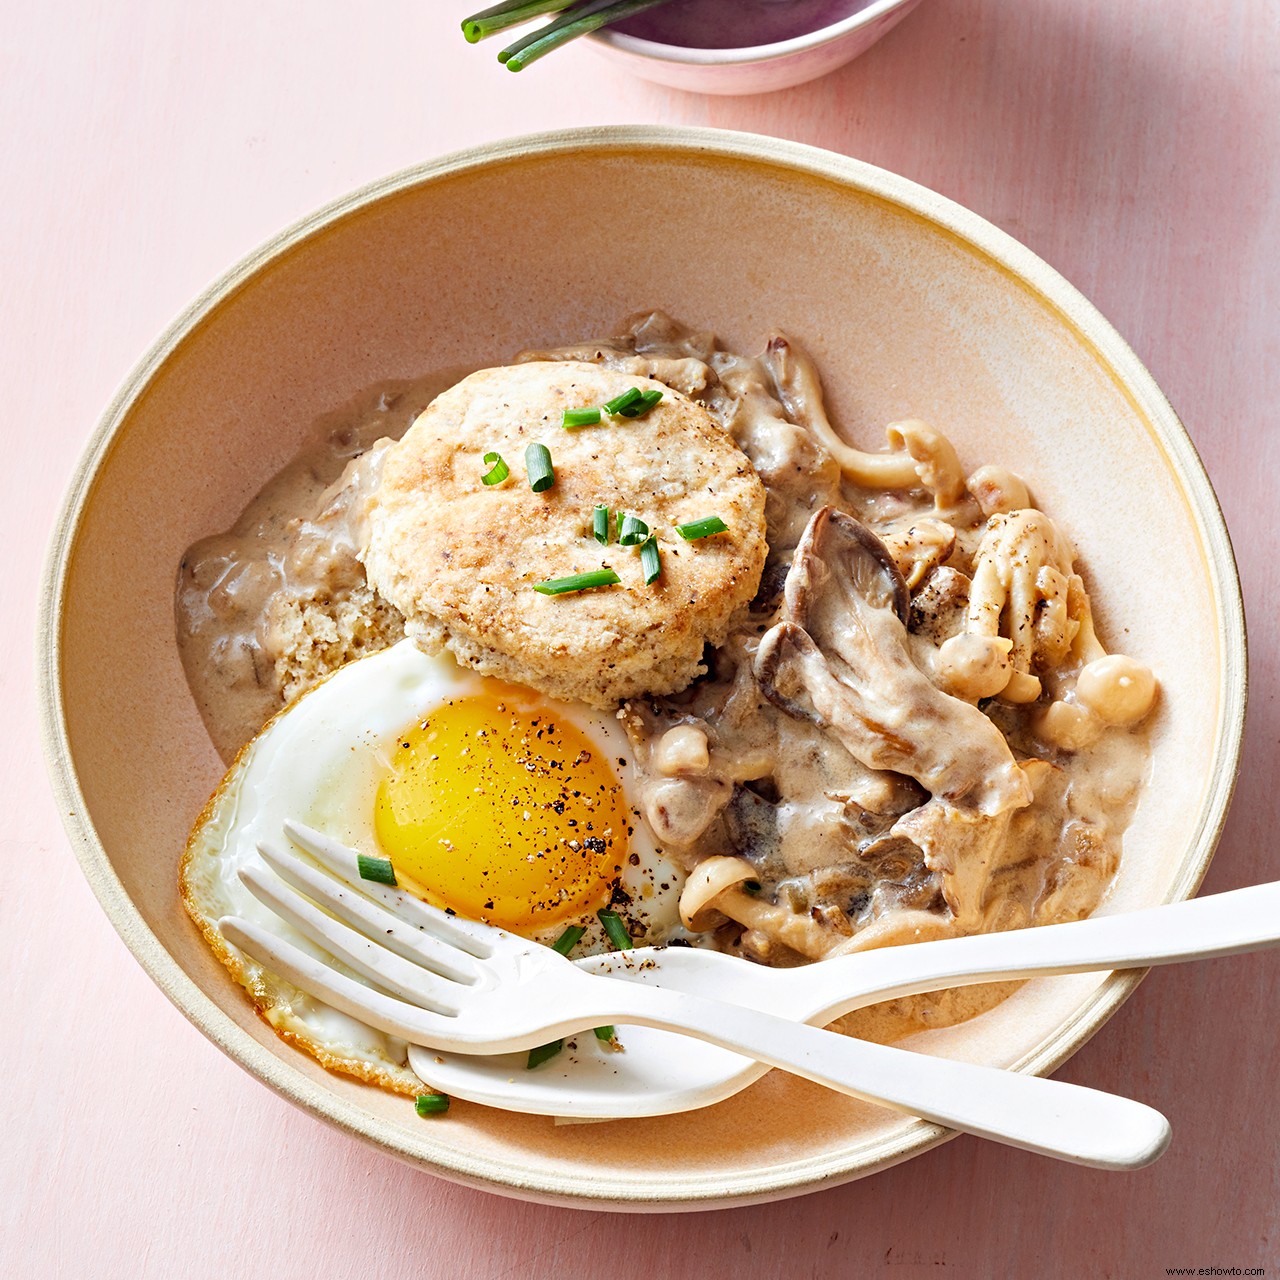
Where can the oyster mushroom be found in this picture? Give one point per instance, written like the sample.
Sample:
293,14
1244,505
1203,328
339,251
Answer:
966,850
840,658
1019,613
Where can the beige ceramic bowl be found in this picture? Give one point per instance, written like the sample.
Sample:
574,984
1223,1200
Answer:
910,304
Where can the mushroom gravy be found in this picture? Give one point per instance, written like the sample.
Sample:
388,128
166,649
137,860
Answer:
912,732
266,609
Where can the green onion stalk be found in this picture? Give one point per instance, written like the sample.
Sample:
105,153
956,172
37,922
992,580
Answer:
576,19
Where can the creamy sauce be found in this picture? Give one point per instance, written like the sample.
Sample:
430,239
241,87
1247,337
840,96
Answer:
285,577
848,856
969,814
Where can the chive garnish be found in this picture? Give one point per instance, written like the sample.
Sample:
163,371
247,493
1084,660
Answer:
431,1104
619,404
500,469
379,870
650,561
568,939
600,524
578,582
537,462
581,417
642,406
616,930
604,1033
633,531
543,1053
696,529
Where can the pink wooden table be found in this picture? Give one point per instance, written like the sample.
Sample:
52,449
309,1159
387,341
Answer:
146,145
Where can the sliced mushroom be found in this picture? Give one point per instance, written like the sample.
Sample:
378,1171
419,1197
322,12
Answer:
998,490
938,608
751,829
1111,688
934,458
706,884
920,548
840,658
796,382
654,346
964,848
1020,610
967,851
840,552
1117,689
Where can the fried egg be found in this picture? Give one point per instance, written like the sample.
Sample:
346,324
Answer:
489,800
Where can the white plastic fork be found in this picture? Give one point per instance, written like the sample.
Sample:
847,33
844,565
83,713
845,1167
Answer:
457,985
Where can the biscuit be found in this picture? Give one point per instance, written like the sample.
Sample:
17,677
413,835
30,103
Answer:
459,559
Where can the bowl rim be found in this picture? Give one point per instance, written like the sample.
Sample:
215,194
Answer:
687,55
794,1177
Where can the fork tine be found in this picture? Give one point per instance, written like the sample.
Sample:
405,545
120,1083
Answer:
383,1012
381,923
466,935
399,977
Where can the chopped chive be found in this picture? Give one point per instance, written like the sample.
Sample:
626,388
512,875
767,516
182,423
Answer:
431,1104
616,930
500,469
568,939
619,404
696,529
581,417
604,1033
642,406
379,870
537,462
633,531
600,524
543,1053
577,582
650,561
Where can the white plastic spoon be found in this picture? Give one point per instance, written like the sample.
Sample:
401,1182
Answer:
659,1073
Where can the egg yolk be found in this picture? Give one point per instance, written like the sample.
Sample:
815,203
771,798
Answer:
505,815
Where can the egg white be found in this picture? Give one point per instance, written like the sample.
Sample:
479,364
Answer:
320,762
